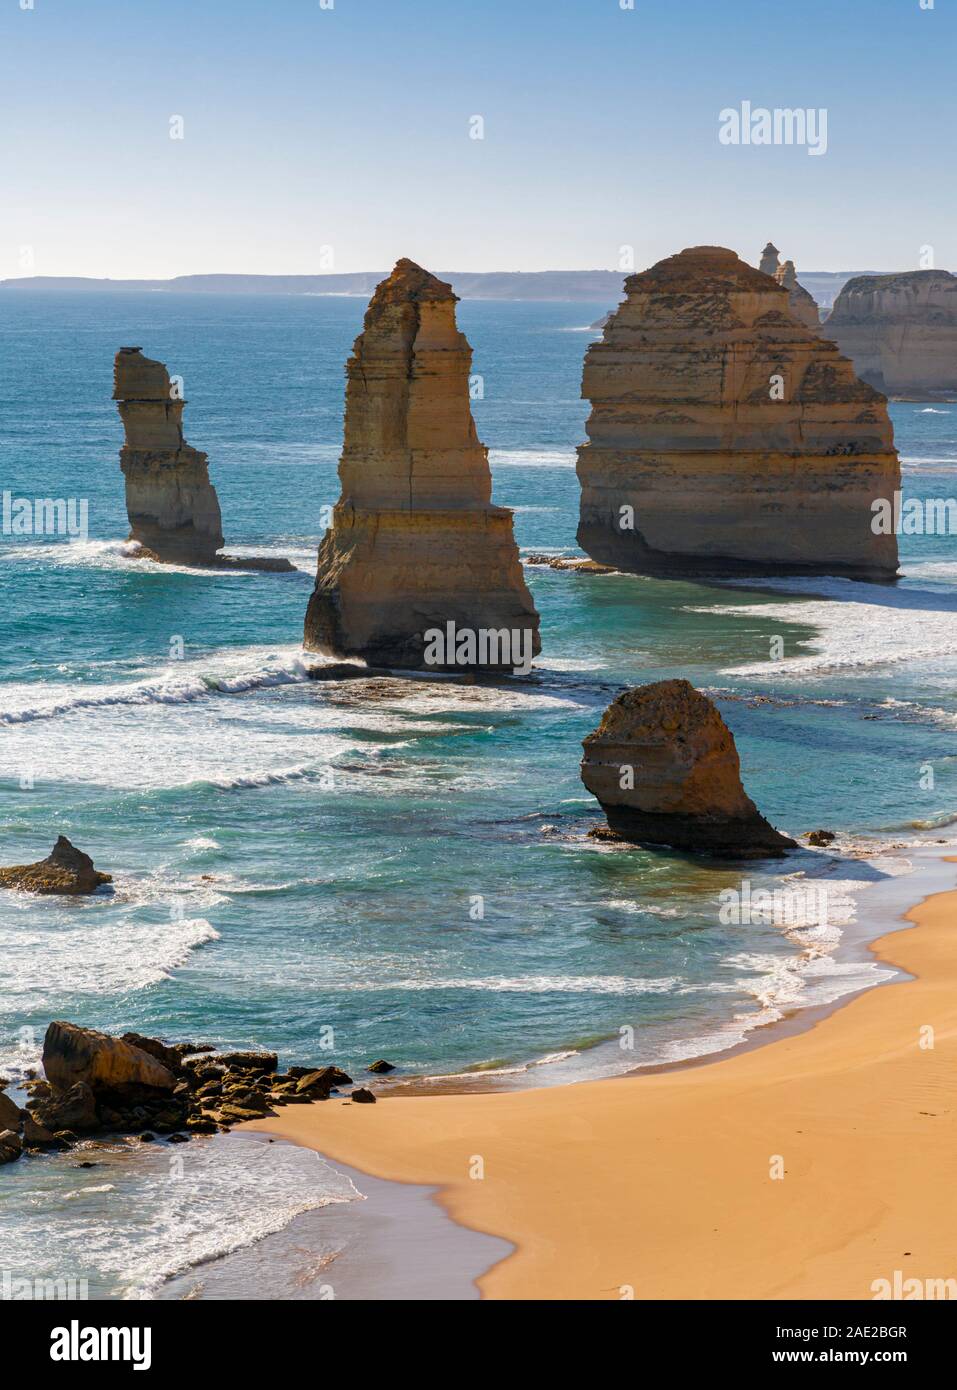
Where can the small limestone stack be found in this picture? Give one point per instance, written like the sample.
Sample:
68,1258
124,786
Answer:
66,869
664,766
172,506
415,543
900,331
726,437
801,304
770,262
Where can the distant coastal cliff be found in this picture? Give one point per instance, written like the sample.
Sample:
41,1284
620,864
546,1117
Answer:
499,284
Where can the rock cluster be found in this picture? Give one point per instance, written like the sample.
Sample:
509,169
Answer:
172,506
900,331
726,437
415,542
66,869
664,767
135,1085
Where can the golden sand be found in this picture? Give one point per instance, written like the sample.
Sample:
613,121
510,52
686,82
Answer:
664,1184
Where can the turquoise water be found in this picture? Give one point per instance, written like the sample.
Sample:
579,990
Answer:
292,858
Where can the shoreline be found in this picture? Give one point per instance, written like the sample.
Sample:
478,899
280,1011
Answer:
824,1154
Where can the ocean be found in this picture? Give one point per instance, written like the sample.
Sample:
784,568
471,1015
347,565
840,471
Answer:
402,870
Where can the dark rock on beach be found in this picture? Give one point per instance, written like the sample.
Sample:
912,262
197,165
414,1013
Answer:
821,837
361,1096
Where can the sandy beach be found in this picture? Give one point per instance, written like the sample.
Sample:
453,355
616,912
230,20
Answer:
807,1168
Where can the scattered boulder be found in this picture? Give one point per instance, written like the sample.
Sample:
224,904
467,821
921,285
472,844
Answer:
248,1061
380,1066
72,1054
11,1116
821,837
664,767
362,1096
10,1146
66,869
36,1135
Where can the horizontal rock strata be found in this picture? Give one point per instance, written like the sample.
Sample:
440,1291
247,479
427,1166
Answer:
416,543
726,437
900,331
664,767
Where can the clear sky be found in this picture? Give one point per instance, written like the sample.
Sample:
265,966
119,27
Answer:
307,127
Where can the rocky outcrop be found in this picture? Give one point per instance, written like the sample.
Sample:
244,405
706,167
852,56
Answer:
900,331
72,1054
578,564
171,504
664,766
726,437
66,869
415,543
99,1084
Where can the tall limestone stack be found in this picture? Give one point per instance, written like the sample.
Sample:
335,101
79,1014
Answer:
664,767
900,331
172,505
415,543
726,437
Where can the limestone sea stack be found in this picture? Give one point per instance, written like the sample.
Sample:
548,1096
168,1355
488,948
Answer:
900,331
664,766
66,869
801,304
726,437
415,544
172,506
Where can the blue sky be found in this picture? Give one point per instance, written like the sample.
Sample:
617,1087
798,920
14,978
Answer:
348,128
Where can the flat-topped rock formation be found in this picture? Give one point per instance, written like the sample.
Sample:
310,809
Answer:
900,331
726,437
664,767
171,504
66,869
416,544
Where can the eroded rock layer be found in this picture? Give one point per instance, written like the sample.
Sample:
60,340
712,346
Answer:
664,767
900,331
172,506
726,437
416,543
